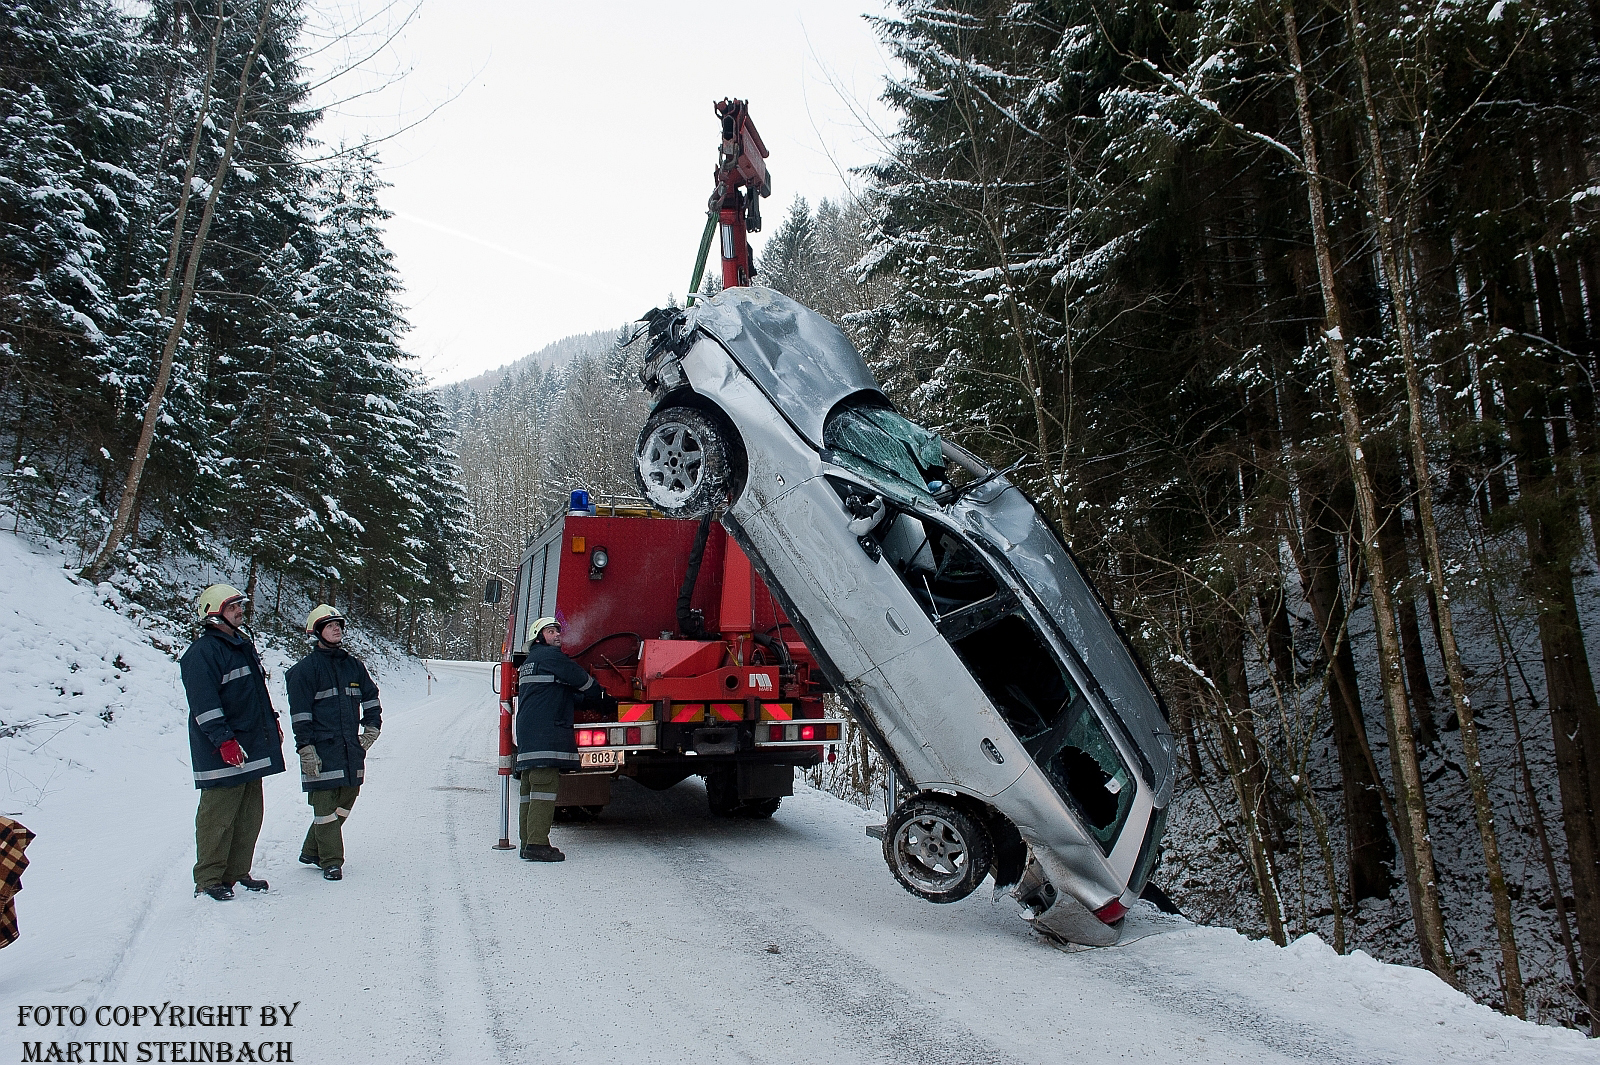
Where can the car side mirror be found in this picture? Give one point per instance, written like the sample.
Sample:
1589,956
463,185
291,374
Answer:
491,590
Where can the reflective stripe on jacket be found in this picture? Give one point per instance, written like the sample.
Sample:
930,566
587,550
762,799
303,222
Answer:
550,685
331,696
228,700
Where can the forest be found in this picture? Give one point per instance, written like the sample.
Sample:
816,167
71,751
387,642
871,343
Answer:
1289,308
200,328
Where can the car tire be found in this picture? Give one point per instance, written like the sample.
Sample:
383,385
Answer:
681,462
936,850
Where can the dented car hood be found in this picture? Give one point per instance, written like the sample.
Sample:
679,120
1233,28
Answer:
803,363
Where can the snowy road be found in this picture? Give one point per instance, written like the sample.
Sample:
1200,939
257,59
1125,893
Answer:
668,936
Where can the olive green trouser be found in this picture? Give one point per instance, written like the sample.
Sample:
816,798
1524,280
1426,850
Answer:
325,839
225,829
538,805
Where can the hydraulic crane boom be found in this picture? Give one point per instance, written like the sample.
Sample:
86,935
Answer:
741,181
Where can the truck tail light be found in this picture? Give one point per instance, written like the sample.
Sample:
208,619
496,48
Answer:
1111,912
634,735
619,736
794,732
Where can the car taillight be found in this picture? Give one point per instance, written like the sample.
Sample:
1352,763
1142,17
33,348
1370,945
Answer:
634,735
808,732
1111,912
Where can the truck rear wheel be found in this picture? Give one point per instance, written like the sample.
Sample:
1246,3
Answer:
682,462
936,850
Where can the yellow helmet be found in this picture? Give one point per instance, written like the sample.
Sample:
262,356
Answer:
320,617
214,598
539,626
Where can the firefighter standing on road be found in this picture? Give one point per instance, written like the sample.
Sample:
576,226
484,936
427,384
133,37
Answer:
550,685
234,740
331,696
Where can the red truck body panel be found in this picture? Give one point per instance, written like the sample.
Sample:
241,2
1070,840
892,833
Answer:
612,578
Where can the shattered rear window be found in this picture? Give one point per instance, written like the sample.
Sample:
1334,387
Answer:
1048,713
888,450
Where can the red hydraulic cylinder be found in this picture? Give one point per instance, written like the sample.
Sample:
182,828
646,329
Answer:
735,613
735,246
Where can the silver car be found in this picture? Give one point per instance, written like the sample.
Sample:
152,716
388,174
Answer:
1024,737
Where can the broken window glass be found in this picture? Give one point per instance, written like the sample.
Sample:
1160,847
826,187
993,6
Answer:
1054,721
889,451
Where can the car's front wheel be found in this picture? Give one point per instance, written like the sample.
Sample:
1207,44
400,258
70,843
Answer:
936,850
682,462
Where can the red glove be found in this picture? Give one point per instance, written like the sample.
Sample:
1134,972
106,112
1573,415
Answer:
232,753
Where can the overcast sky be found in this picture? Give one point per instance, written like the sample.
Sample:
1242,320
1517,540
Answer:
560,184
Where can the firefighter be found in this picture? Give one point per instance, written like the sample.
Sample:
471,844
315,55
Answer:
550,685
235,740
334,710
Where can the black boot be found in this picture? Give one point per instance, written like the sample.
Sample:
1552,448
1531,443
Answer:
538,852
306,859
333,872
251,884
220,892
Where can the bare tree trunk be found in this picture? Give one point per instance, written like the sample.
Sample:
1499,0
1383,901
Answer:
1454,671
180,217
1502,640
1242,756
1370,848
1423,881
130,491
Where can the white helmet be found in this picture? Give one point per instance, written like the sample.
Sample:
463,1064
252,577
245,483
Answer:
539,626
320,617
214,598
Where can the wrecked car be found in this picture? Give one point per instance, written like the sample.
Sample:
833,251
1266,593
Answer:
1024,738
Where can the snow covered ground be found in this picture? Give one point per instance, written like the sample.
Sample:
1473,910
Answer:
667,936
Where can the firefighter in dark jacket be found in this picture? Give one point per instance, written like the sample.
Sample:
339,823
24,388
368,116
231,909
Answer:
234,740
333,707
550,685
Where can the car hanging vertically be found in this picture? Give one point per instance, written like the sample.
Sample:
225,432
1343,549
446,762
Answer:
1024,738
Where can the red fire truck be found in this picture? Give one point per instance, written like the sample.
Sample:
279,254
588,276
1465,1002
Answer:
710,677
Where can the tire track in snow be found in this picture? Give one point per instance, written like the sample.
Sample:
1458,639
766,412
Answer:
478,926
1238,1018
878,1014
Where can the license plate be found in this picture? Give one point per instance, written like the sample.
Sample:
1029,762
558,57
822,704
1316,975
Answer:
599,758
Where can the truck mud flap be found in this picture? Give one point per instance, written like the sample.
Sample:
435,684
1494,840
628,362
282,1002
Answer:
765,781
584,789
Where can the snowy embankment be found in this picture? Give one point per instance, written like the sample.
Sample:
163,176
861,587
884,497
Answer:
667,936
